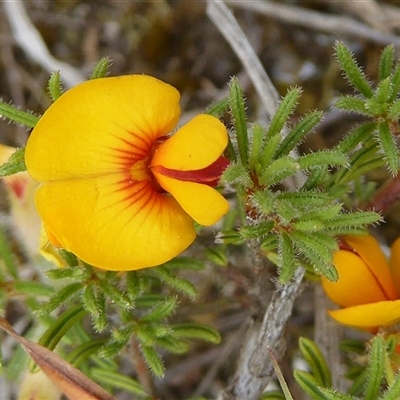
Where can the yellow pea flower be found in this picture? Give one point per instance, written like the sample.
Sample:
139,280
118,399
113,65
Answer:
368,286
115,189
20,189
37,386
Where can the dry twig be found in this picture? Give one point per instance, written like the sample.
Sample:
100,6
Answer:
31,42
338,25
227,25
255,367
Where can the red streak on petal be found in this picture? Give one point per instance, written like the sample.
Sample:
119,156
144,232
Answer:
137,147
138,196
208,176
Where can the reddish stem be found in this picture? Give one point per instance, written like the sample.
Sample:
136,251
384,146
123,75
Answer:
386,196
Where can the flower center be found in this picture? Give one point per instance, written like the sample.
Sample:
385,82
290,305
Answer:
140,169
209,175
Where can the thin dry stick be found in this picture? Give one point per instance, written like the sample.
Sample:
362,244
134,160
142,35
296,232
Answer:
31,42
227,25
339,25
255,367
368,11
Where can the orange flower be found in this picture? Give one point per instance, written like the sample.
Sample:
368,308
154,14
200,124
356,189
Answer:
20,189
115,189
368,288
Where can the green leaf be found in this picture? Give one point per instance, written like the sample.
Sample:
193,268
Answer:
185,263
239,119
149,300
389,147
383,91
299,131
319,368
376,108
182,285
395,82
81,353
256,230
268,153
285,109
219,108
75,272
315,178
101,69
394,111
70,258
217,255
59,298
309,225
352,104
115,294
333,394
111,349
360,218
16,163
362,161
54,85
133,284
14,114
352,71
375,371
386,62
318,250
118,381
90,300
325,212
123,334
256,145
33,288
189,330
172,344
153,360
278,170
61,326
230,151
324,157
148,334
353,345
309,384
100,321
236,174
393,392
288,261
229,237
264,200
163,310
358,135
303,199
